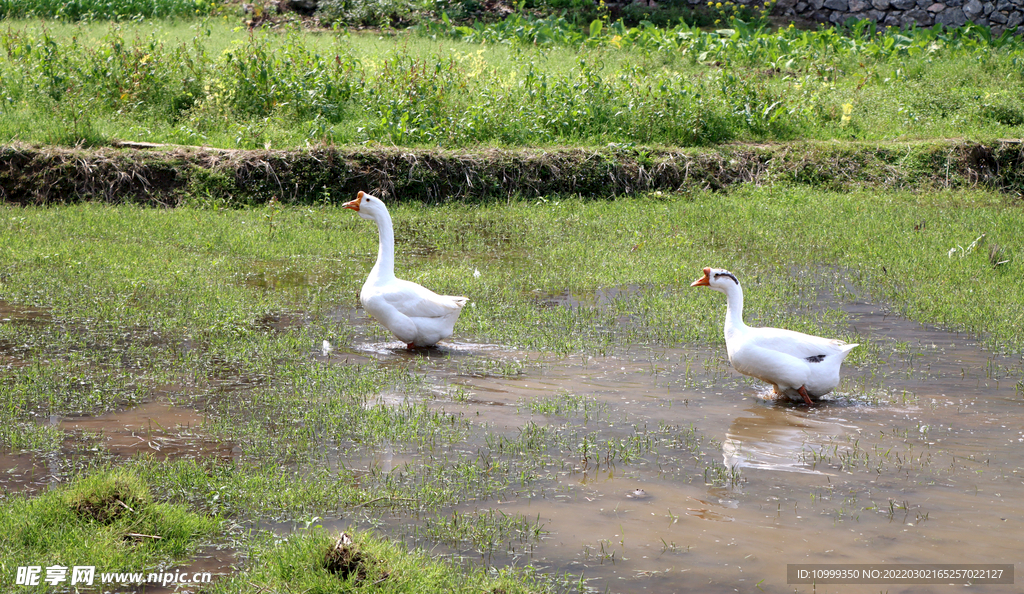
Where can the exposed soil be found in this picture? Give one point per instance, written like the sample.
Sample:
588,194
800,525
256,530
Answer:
169,175
109,502
345,560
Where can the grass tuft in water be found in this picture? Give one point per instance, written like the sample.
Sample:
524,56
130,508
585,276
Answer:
109,520
315,560
487,531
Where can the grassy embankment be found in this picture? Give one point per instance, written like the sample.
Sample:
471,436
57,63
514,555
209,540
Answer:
213,83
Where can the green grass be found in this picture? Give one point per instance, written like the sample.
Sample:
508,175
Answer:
566,404
224,311
252,489
299,563
213,83
210,275
144,298
106,9
107,520
110,521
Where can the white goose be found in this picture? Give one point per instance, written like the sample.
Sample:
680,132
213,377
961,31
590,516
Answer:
798,365
416,315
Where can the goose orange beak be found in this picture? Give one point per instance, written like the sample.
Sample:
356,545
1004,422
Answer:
703,281
354,204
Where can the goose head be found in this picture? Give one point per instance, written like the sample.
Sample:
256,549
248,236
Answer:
717,279
369,207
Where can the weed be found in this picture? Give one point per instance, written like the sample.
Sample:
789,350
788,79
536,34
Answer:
554,85
106,9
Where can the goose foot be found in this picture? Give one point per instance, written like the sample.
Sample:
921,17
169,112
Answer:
807,397
411,346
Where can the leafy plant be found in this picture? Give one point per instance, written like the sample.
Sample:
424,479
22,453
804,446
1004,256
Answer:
520,81
368,13
78,10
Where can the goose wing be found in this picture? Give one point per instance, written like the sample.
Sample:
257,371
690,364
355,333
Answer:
797,344
417,301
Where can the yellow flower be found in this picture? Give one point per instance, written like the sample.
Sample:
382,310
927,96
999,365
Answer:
847,110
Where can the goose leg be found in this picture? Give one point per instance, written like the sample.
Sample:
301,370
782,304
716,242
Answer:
807,397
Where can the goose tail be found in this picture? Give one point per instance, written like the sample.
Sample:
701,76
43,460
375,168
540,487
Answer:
845,348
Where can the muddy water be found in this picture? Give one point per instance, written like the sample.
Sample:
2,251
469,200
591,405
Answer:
18,313
11,355
217,561
918,458
155,428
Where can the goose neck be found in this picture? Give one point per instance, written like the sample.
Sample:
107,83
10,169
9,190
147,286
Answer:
734,309
385,266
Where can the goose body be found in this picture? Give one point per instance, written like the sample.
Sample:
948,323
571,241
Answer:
416,315
800,366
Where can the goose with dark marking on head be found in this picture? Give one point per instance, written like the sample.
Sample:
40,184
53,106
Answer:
798,365
416,315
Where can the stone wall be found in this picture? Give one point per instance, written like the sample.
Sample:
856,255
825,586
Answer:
1000,15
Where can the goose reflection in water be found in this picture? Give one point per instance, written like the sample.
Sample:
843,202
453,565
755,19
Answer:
774,438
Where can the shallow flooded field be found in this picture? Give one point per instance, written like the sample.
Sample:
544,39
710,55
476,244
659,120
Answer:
910,461
615,451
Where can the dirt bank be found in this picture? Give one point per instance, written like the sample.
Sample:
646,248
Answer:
168,175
